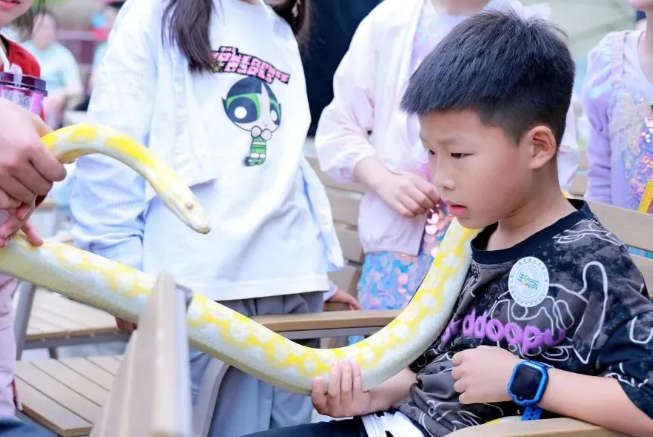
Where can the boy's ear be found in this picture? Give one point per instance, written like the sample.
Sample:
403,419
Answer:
542,146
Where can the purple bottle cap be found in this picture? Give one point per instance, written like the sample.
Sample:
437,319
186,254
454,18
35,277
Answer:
23,81
26,91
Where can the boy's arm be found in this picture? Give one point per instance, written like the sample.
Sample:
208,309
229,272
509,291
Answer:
621,345
393,391
596,400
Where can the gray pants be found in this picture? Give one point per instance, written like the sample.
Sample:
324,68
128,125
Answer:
246,405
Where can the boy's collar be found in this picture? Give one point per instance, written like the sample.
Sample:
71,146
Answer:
530,244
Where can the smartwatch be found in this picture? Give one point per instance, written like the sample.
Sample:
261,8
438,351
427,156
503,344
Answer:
526,387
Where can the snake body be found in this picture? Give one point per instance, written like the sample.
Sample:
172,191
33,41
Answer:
214,328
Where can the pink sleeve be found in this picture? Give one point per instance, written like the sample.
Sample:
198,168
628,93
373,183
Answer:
596,97
7,287
342,137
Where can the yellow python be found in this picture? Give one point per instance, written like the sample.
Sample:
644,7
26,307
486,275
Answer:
213,328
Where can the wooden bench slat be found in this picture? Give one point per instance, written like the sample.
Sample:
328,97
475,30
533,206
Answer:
49,413
70,309
90,370
33,330
87,321
106,363
40,329
73,380
578,185
637,232
344,207
56,320
327,320
59,392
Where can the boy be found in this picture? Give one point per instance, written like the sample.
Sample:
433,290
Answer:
548,284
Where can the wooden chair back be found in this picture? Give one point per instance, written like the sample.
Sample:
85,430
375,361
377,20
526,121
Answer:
151,394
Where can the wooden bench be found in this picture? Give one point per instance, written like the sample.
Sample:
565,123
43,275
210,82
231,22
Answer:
145,394
151,396
56,321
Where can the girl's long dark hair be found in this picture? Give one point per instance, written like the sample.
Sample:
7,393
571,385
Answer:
186,23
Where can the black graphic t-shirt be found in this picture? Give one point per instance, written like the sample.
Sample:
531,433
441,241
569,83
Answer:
569,296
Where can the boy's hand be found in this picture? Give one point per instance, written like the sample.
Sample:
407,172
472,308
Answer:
482,374
346,298
345,396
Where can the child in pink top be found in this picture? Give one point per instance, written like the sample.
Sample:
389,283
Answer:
401,219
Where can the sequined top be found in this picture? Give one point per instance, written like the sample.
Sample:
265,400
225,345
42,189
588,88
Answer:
618,98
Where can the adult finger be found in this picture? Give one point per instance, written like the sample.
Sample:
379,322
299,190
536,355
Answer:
47,165
10,226
24,211
34,181
18,190
42,128
32,234
8,202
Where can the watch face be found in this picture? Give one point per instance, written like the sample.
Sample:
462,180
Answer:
526,382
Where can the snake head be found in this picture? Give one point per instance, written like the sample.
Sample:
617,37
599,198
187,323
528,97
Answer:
183,203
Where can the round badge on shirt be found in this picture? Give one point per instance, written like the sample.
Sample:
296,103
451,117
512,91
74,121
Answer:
528,282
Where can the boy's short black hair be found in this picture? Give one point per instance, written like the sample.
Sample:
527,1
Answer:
514,72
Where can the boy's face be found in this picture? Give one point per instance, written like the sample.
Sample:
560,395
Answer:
481,174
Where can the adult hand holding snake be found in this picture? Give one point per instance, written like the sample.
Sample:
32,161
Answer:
27,170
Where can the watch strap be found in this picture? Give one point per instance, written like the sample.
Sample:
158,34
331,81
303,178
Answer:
531,413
